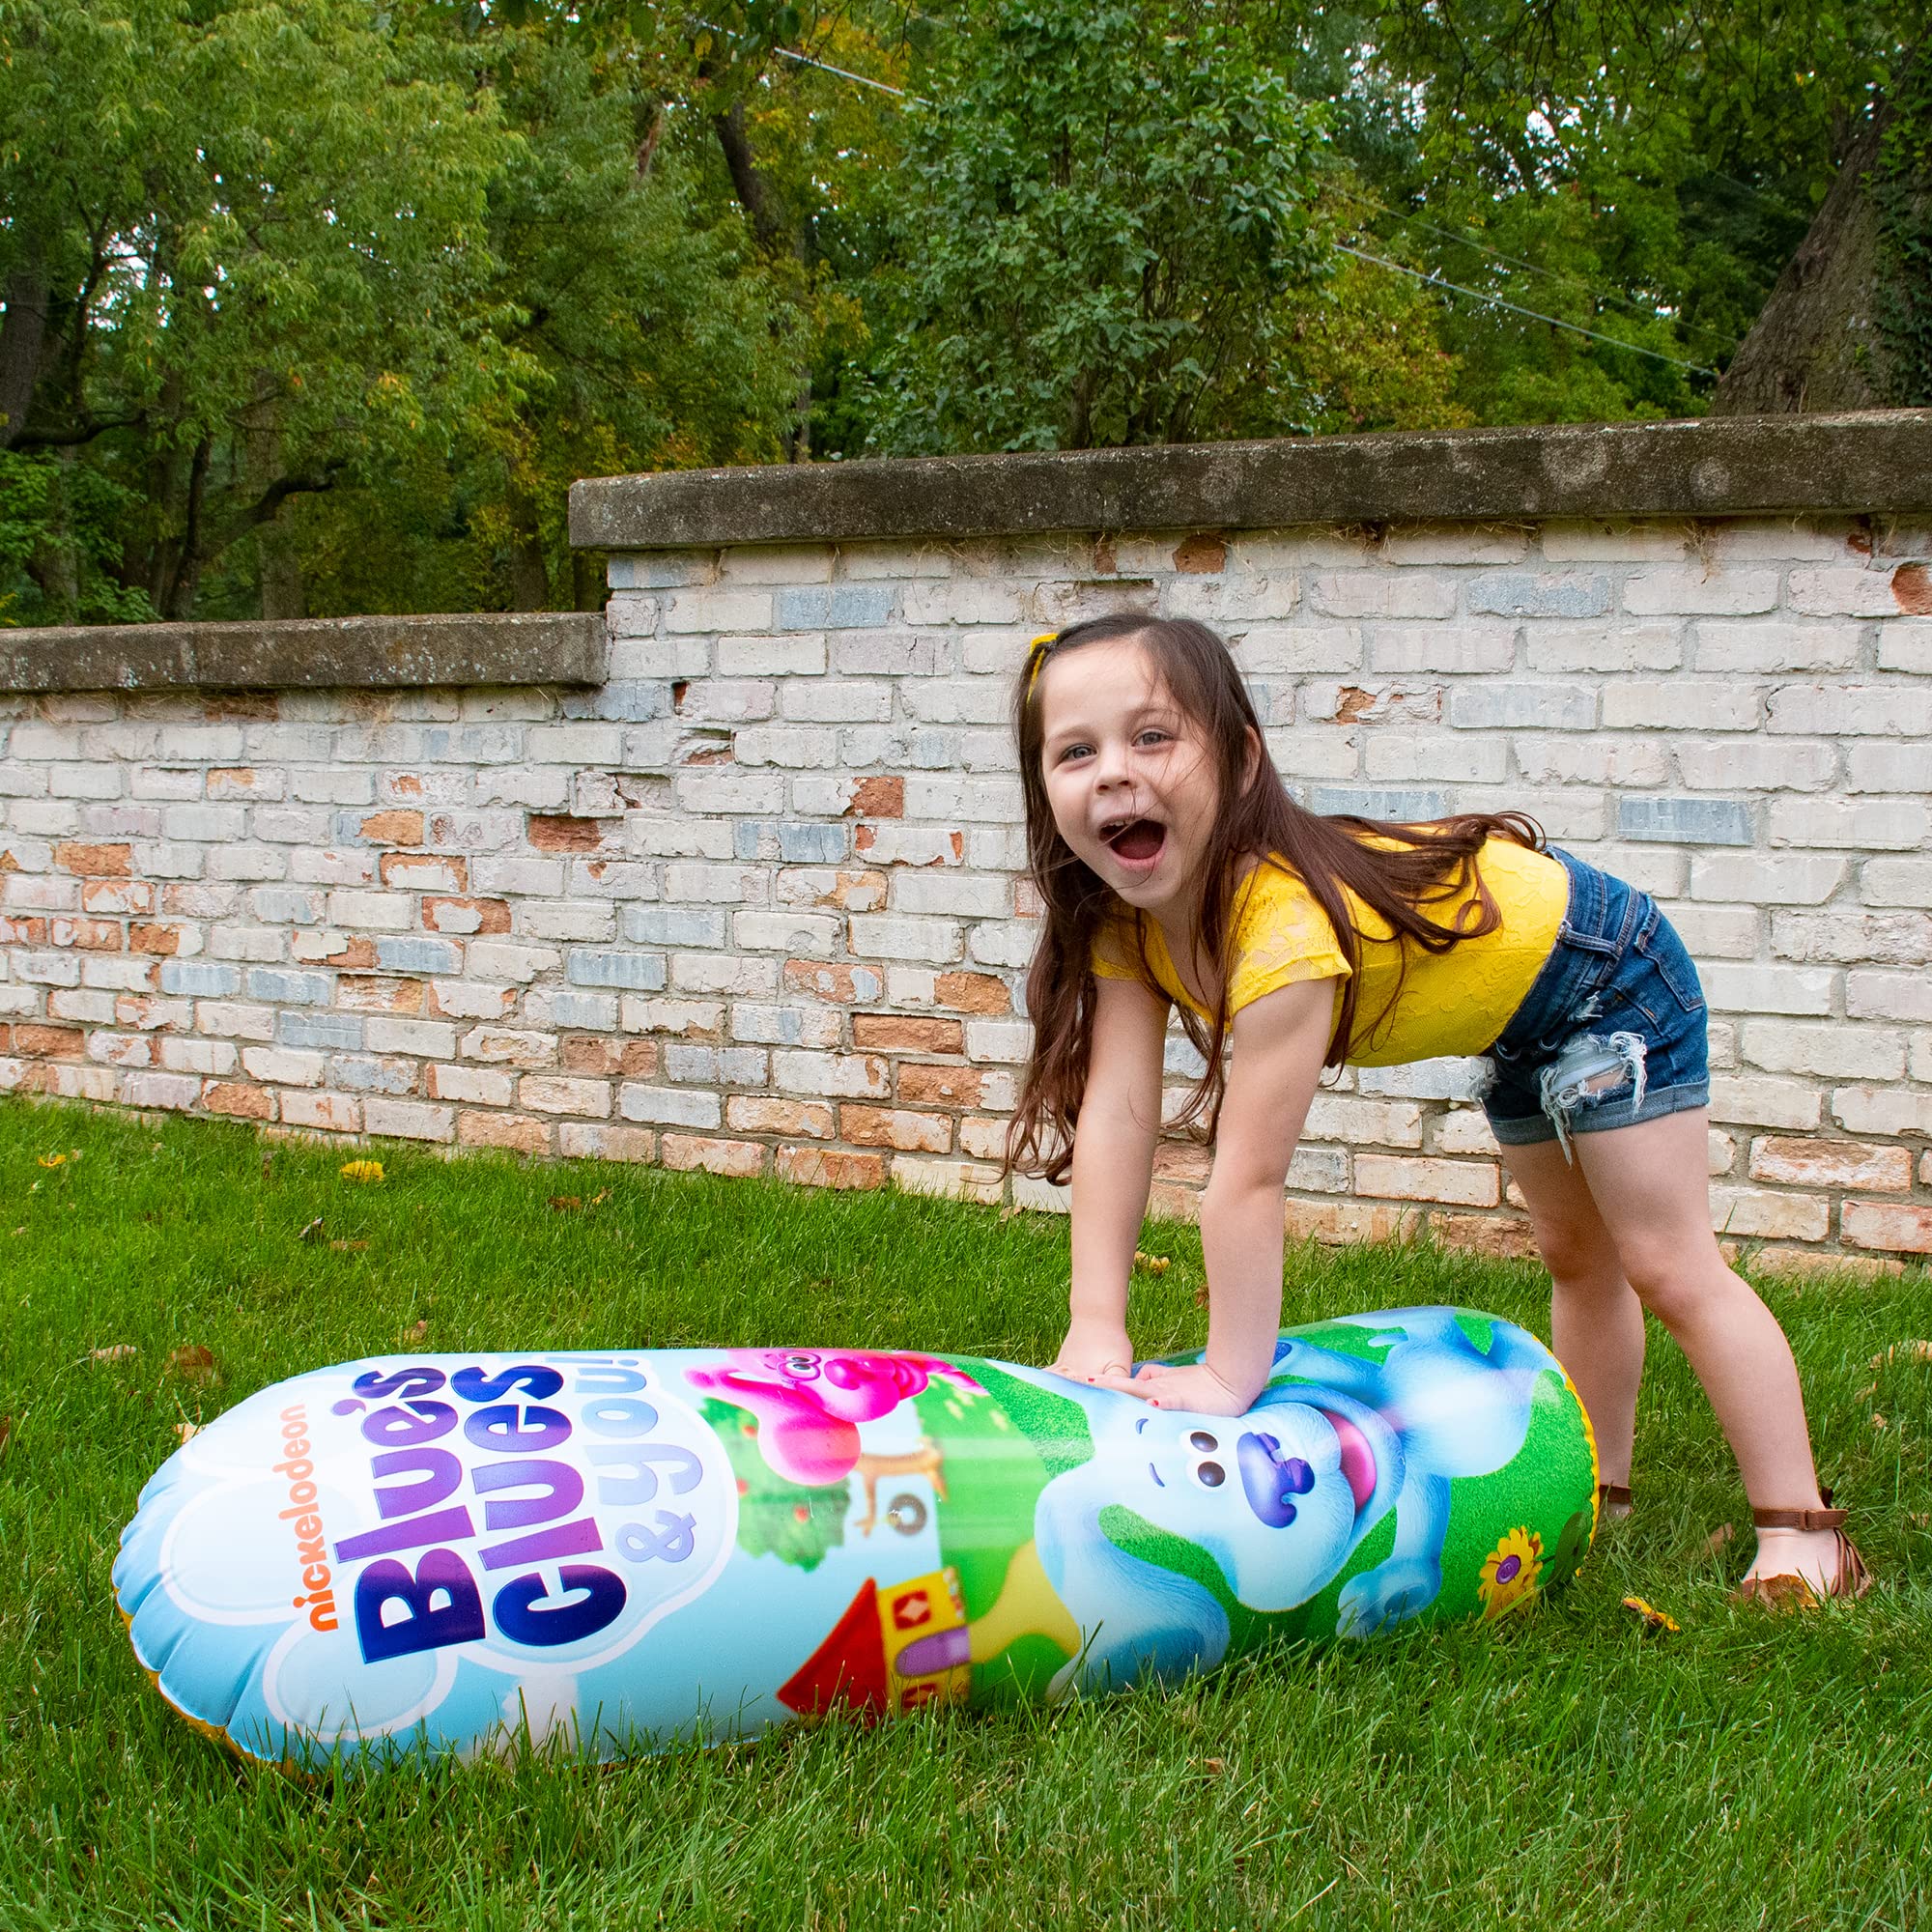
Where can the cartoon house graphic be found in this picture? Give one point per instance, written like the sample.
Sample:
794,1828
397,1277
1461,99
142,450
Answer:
856,1663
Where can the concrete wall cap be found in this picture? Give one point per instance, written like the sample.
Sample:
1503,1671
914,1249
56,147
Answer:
331,653
1878,463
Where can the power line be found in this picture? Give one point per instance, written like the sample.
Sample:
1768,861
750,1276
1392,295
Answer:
1517,309
1535,269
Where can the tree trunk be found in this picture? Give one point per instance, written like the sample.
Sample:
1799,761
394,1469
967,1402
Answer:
278,568
1816,345
24,335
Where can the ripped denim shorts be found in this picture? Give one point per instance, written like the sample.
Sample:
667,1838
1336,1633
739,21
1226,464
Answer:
1612,1033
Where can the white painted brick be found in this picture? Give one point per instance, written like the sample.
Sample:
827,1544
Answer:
283,1066
1850,710
389,912
716,885
1447,1079
1005,1042
889,936
173,1091
723,973
1597,759
1850,590
964,895
1891,824
503,959
1402,756
1406,649
1896,882
1689,590
1515,707
91,1007
1757,1100
1843,1050
207,1057
686,1018
408,1119
800,934
432,1039
1682,704
1878,1110
1380,593
1767,879
1774,646
714,609
815,1027
1795,990
851,1076
1872,995
1883,767
1756,764
1592,540
1887,938
963,602
776,563
1754,1212
1906,645
796,654
1717,932
788,747
1302,650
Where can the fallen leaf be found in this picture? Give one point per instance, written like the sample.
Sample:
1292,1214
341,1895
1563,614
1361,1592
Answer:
598,1199
6,1432
1217,1765
417,1333
1917,1519
1879,1421
187,1430
1152,1263
1201,1295
361,1170
53,1160
1899,1351
1654,1618
117,1351
192,1361
313,1231
565,1204
267,1163
348,1248
1718,1538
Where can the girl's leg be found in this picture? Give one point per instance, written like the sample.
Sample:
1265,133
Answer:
1595,1321
1650,1187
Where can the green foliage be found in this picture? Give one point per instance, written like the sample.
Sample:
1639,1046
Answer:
59,545
1096,232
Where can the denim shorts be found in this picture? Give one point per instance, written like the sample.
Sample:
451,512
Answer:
1612,1033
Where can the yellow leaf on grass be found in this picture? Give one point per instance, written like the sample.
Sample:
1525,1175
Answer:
187,1430
565,1204
53,1160
1899,1351
1152,1263
1654,1618
348,1248
361,1170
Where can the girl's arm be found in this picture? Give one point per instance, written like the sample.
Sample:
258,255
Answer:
1279,1043
1113,1167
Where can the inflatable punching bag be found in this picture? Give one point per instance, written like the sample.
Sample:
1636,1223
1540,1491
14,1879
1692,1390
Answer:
453,1551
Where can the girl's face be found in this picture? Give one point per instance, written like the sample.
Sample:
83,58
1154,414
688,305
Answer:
1130,776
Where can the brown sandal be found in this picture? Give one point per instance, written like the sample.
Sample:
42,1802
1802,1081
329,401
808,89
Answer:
1613,1501
1783,1593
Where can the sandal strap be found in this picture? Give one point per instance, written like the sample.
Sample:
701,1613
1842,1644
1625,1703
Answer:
1799,1518
1613,1492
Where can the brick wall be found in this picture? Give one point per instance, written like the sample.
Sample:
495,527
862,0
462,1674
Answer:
751,904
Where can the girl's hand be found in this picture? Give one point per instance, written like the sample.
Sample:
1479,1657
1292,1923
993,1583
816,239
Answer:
1094,1349
1194,1387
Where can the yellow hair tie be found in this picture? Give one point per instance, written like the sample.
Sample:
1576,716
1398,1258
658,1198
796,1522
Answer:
1037,656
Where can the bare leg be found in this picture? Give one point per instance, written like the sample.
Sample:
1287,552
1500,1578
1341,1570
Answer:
1650,1189
1596,1320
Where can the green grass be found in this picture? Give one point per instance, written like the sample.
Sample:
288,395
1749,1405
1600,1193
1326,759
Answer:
1565,1770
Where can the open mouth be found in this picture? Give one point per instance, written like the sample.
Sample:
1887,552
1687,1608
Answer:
1137,840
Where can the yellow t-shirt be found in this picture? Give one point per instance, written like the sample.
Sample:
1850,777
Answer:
1450,1003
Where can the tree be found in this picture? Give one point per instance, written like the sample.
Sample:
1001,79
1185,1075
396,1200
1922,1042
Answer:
1099,233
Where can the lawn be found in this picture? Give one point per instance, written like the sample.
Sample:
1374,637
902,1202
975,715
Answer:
1565,1769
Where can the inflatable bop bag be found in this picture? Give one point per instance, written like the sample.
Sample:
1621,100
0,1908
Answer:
450,1551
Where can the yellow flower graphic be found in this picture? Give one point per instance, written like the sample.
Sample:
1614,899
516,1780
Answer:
1508,1581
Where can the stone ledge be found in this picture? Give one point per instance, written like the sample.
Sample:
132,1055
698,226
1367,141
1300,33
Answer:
1878,463
332,653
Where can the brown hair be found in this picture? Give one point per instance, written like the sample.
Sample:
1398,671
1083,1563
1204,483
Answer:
1421,866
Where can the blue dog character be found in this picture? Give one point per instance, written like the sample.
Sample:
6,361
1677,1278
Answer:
1280,1498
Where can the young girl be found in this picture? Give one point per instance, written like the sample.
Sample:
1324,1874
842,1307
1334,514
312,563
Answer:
1176,870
